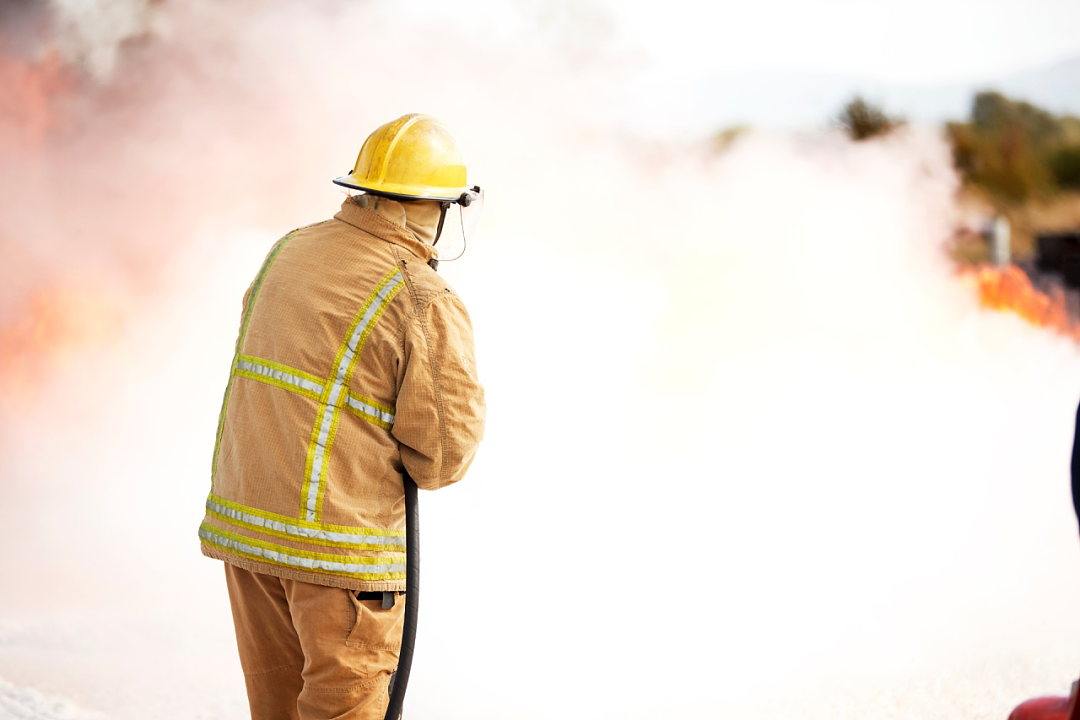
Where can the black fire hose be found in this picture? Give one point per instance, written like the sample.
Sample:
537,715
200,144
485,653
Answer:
412,600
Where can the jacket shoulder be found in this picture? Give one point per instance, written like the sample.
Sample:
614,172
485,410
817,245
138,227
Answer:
317,227
424,284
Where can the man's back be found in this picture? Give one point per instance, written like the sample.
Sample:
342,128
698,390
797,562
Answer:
354,363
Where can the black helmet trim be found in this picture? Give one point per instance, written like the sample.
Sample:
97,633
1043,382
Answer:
464,198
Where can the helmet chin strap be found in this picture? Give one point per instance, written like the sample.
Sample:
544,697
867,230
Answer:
433,263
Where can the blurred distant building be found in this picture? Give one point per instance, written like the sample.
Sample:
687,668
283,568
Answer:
1001,241
1059,254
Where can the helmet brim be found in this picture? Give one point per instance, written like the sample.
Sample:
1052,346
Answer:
350,182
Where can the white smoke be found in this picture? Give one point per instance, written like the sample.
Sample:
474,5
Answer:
90,33
753,450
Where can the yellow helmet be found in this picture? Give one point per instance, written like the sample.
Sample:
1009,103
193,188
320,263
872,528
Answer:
413,157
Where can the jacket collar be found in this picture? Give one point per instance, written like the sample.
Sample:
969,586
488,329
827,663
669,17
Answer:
383,228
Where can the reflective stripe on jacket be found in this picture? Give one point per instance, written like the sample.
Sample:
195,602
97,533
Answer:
354,363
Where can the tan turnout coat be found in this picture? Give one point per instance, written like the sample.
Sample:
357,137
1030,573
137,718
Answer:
354,364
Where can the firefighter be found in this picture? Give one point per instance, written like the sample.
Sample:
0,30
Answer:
354,365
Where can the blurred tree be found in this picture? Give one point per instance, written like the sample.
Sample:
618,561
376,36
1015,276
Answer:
1001,161
1065,166
1070,129
724,139
862,120
1015,150
993,112
1019,158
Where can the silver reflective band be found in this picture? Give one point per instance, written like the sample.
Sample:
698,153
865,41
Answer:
303,532
339,383
371,410
280,375
301,562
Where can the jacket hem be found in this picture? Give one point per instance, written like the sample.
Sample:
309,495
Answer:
314,578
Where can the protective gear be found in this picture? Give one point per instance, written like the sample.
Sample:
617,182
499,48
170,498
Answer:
420,217
413,157
311,652
461,225
354,363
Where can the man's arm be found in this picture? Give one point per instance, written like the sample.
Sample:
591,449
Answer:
440,405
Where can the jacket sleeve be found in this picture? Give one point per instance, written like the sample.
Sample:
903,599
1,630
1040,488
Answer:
440,408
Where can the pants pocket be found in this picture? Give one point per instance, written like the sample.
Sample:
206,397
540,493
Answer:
374,627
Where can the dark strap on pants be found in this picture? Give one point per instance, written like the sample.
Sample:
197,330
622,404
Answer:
388,598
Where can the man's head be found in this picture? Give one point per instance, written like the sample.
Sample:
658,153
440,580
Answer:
412,158
415,160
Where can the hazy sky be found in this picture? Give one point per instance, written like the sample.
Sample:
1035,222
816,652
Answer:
918,41
915,41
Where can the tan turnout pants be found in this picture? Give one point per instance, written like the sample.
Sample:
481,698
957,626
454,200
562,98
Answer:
311,652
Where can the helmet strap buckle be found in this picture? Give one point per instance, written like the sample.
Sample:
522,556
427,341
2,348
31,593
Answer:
442,219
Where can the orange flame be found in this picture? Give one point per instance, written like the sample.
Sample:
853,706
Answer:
1009,289
53,325
29,86
42,329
